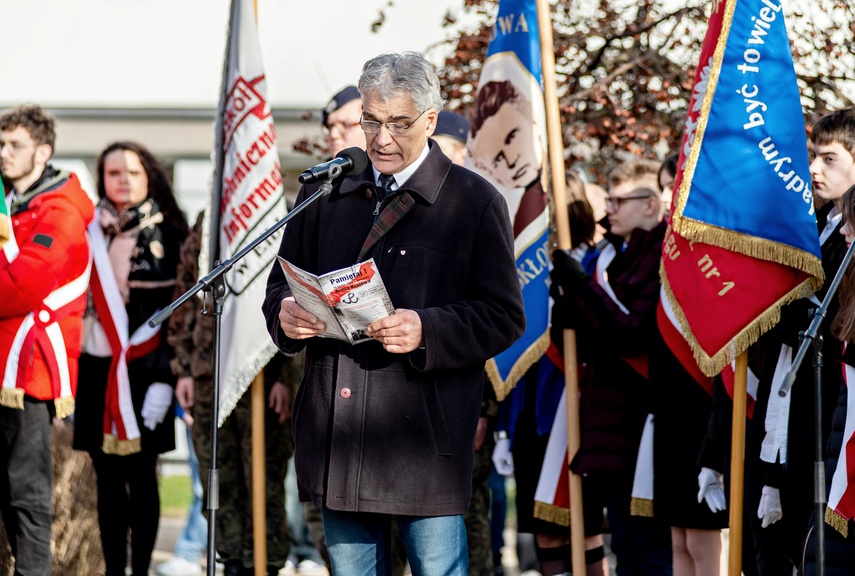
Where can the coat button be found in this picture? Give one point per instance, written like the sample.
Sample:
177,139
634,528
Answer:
345,392
368,193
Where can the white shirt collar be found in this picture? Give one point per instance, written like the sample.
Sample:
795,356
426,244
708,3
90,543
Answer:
404,175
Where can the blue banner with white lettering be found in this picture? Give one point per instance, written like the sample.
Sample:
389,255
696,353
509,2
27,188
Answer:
743,238
750,175
507,145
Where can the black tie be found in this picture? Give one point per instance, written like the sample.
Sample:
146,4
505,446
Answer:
385,182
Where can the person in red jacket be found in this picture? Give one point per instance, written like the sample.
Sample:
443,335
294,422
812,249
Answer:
44,271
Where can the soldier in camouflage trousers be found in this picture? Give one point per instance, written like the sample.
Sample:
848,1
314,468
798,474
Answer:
191,335
477,518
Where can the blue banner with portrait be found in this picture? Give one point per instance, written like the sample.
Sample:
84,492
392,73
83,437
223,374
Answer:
507,145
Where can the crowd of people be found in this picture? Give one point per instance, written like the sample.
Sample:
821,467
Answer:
398,444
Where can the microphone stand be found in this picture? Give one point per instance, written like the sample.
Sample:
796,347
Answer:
812,336
214,283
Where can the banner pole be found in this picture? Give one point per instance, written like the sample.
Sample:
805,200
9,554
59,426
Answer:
259,485
562,223
259,502
737,464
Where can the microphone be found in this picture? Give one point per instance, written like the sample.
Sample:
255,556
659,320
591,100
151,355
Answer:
350,161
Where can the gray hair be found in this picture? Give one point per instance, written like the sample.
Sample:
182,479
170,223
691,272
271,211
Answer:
390,75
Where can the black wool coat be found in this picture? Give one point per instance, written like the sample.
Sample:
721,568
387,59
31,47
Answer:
399,440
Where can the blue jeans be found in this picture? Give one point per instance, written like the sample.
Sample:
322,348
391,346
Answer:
360,543
193,541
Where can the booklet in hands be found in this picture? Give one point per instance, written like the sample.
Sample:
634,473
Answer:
346,300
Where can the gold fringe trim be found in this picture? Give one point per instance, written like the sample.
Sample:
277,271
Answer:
713,365
837,522
753,246
112,445
703,117
12,398
520,367
552,513
641,507
64,407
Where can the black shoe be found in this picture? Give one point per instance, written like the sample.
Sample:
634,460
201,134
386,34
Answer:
234,568
272,571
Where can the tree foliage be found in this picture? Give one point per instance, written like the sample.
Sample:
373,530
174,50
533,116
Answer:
625,68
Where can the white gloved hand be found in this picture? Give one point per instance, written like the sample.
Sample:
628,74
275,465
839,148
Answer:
711,484
770,506
503,460
158,399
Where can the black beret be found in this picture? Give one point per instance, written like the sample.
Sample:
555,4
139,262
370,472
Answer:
346,95
452,124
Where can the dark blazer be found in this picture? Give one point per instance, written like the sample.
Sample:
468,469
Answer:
614,399
401,441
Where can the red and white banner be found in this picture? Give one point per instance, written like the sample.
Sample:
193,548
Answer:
247,199
841,497
742,236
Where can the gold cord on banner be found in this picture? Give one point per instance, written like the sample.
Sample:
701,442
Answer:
713,365
521,366
753,246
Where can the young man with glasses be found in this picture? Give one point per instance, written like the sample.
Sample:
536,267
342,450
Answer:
614,314
384,429
44,271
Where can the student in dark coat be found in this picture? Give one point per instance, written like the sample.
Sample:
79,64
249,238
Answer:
124,416
385,428
614,314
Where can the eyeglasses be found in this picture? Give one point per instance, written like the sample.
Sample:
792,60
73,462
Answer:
15,147
394,128
615,202
340,126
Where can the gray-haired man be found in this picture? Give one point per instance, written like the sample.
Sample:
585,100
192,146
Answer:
384,429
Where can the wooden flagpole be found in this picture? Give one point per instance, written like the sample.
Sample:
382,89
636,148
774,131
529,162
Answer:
259,496
562,223
259,500
737,463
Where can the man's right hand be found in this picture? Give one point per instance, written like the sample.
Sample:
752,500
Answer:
297,322
185,393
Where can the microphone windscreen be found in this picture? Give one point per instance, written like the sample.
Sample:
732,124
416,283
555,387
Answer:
359,158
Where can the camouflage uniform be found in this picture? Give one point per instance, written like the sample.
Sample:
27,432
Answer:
477,518
191,334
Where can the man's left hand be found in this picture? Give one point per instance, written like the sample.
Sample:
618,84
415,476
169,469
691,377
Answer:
399,333
280,401
481,432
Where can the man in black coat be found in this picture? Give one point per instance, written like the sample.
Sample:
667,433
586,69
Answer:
384,429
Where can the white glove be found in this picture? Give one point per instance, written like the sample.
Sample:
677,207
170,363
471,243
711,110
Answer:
503,460
711,484
770,506
158,399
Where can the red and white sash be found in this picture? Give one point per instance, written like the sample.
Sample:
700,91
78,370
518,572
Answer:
121,430
642,484
41,327
774,446
841,497
642,481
